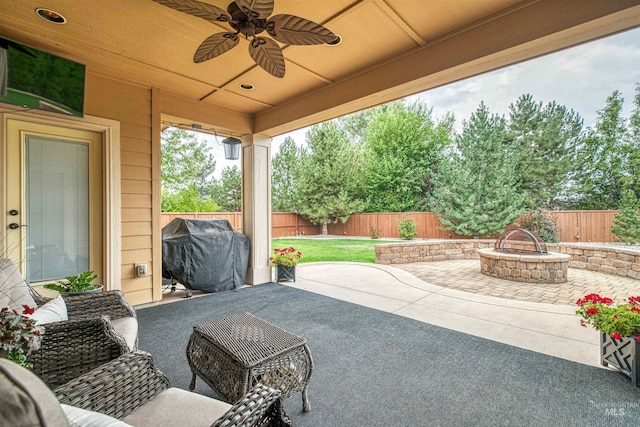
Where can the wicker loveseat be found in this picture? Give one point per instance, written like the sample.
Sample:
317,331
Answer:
131,389
100,327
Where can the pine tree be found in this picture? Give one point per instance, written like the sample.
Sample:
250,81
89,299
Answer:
329,177
227,192
545,139
476,187
285,167
633,180
604,158
626,224
186,162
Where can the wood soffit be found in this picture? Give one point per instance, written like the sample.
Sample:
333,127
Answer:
390,49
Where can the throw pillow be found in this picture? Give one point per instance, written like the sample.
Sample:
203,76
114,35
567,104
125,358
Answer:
26,400
14,291
53,311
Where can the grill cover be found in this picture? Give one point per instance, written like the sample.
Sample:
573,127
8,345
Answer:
205,254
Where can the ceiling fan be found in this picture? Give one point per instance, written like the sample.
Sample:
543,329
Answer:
249,18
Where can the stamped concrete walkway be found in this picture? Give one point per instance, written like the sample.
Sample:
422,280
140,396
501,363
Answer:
549,328
465,276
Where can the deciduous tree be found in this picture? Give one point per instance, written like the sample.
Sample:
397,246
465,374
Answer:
187,200
402,145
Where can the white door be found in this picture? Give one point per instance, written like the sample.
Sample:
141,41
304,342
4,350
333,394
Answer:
54,200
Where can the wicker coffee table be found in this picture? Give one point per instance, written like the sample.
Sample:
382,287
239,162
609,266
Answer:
235,353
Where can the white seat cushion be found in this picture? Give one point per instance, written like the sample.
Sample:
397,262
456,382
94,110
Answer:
176,407
128,328
14,291
79,417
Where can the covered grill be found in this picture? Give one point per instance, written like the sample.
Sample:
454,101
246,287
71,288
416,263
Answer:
205,254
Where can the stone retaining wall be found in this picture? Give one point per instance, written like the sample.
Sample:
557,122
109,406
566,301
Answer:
606,259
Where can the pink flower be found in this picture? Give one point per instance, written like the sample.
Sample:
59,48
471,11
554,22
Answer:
616,336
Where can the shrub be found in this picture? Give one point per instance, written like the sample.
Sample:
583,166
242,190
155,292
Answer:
374,232
407,228
542,223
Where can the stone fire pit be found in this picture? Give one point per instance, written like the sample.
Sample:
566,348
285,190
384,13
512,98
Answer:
548,268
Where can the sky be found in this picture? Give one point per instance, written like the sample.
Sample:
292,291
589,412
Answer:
581,78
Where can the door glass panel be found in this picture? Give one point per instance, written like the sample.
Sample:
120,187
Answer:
56,208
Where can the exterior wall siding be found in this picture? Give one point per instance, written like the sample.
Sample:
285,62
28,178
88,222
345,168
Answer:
131,106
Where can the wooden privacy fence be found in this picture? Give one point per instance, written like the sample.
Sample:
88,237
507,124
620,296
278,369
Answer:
282,224
574,226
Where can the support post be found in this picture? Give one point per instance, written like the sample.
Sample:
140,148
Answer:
256,205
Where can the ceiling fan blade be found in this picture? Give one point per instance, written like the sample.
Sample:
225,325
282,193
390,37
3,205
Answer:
260,9
291,29
268,55
206,11
215,45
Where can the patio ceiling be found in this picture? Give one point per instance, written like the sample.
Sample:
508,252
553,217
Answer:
390,49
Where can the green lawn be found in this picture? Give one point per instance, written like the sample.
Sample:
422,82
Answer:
314,250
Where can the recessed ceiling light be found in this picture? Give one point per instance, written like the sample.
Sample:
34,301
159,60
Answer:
336,41
51,15
246,86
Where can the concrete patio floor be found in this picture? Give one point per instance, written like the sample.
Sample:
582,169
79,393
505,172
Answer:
552,329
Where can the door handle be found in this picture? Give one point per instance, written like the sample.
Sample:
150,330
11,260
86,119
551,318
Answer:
14,226
13,212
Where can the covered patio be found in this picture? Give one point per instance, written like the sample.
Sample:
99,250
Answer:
140,77
391,349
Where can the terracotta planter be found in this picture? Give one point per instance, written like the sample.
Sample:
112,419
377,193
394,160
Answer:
285,274
622,355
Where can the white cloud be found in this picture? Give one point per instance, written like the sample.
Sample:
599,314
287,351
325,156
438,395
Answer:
581,78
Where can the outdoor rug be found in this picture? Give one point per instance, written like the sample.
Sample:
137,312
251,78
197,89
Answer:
373,368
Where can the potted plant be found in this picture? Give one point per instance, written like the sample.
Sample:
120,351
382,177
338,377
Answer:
285,261
619,327
19,335
74,285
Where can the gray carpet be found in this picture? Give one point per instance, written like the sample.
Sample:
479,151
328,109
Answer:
378,369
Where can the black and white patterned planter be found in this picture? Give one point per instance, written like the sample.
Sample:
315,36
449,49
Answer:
622,355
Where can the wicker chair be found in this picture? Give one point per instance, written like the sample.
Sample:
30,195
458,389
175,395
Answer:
101,327
133,390
85,341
